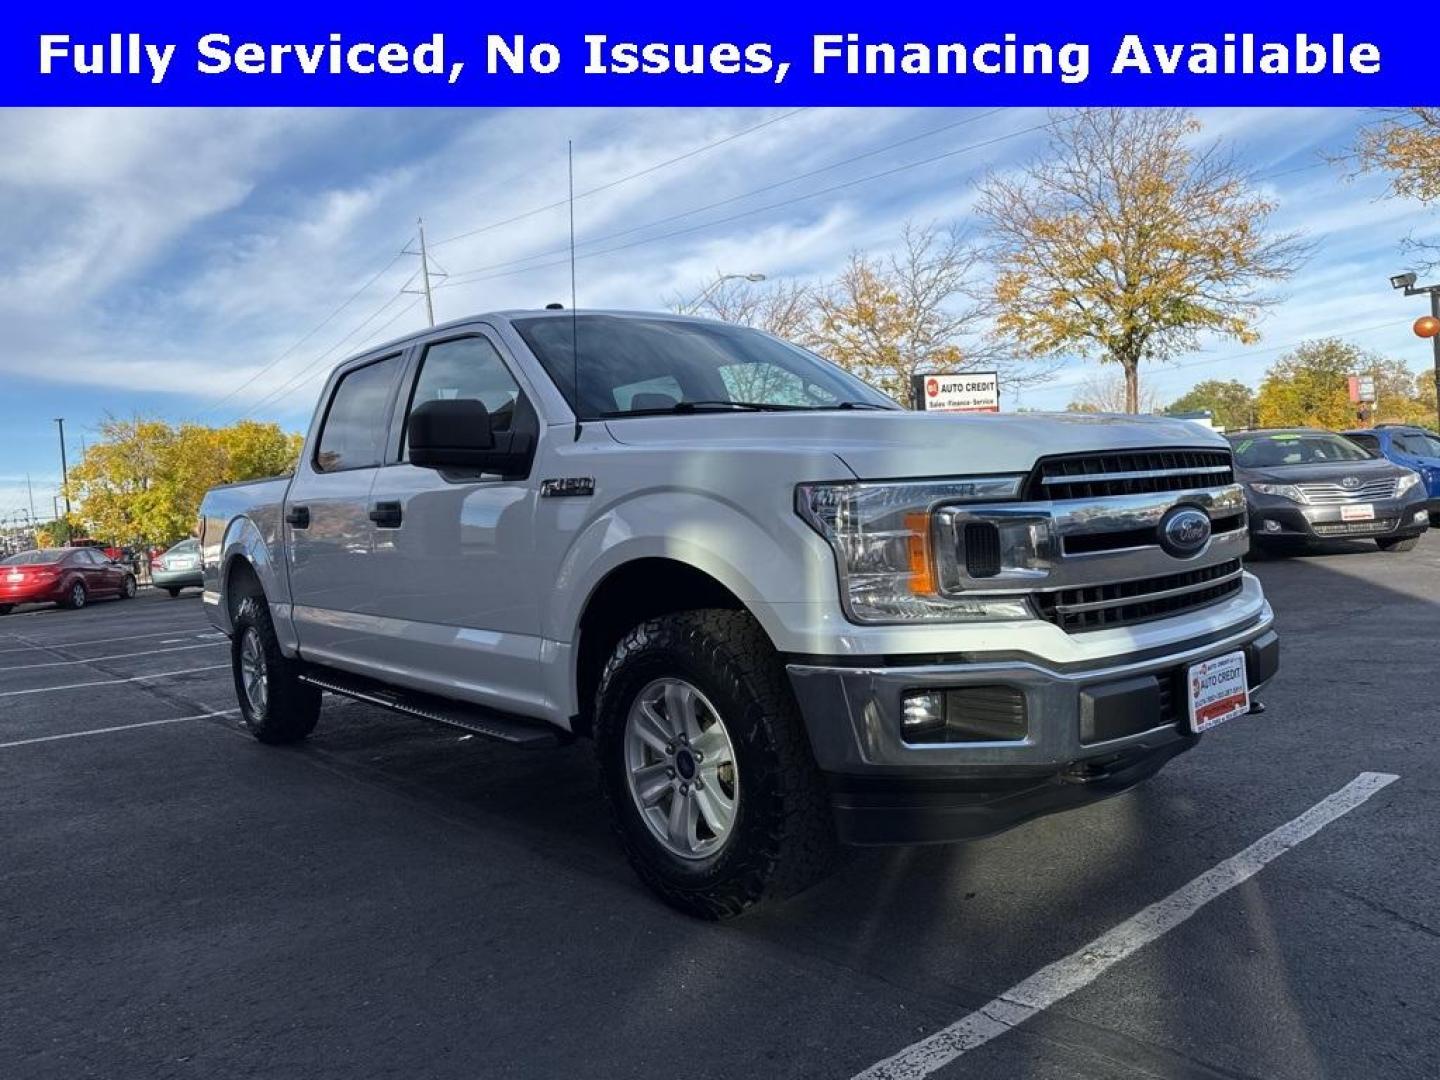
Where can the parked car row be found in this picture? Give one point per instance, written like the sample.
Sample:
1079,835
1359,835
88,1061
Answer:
73,576
1304,485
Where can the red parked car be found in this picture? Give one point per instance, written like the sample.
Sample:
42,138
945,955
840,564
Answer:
68,576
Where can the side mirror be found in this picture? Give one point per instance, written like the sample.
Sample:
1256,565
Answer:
456,434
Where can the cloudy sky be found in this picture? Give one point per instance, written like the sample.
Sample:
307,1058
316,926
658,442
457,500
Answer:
196,264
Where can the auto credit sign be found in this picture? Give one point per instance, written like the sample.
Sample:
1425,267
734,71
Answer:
968,391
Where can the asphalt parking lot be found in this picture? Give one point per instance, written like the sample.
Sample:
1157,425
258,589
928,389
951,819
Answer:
392,899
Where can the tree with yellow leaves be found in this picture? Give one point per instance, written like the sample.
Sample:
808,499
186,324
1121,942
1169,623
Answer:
142,481
1309,387
1405,145
916,311
1127,242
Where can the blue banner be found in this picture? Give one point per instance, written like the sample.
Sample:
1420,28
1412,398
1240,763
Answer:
841,53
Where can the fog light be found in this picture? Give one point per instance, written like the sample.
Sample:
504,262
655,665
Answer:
922,711
1270,526
964,715
1422,517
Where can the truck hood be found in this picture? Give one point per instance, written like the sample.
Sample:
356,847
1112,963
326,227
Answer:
886,445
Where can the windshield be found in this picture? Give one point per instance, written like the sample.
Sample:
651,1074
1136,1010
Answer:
1257,451
632,366
32,558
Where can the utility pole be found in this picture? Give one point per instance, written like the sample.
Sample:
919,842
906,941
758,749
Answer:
30,494
425,274
64,468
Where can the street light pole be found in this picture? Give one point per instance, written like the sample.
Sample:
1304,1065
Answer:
1406,282
720,279
64,468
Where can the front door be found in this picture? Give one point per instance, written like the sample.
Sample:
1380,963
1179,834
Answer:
329,535
454,554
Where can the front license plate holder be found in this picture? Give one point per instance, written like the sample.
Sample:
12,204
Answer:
1217,689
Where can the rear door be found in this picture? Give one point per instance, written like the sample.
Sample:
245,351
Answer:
100,580
329,538
455,582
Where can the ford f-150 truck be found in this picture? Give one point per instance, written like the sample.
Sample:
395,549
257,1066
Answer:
790,614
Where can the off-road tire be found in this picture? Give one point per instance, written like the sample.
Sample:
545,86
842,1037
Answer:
783,839
1406,544
292,707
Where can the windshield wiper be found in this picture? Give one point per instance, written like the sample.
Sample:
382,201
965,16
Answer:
860,405
717,405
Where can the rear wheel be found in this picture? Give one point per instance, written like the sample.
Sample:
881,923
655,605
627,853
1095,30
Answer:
5,609
274,704
1406,544
706,768
173,593
76,596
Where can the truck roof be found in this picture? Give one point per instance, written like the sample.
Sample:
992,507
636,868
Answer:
511,314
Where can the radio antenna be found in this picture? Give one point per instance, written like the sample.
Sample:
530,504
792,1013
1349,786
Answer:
574,315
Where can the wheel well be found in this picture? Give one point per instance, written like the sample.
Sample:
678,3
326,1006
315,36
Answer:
241,581
626,597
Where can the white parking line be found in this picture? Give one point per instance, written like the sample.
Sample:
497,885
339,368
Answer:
1082,967
117,727
112,639
112,656
110,682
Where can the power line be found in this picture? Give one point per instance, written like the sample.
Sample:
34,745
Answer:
748,194
735,217
295,379
311,332
622,180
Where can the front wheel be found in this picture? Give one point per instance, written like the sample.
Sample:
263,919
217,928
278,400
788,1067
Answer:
706,768
127,590
274,704
1406,544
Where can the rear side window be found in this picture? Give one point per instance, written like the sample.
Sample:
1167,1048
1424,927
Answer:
1366,442
467,368
353,435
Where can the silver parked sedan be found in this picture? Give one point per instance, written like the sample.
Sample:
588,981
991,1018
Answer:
178,568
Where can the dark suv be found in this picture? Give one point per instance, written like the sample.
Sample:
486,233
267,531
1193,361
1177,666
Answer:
1302,485
1413,447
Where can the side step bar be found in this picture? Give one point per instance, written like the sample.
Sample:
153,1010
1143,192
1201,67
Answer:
476,719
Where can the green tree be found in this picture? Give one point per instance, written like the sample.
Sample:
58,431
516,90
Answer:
1126,242
1309,387
143,480
1229,402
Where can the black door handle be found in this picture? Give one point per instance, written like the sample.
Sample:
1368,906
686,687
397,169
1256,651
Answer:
386,515
298,517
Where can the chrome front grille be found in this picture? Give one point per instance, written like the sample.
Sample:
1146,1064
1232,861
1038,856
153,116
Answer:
1326,494
1129,472
1124,603
1084,542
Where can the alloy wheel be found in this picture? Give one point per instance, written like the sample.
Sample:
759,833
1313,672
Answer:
253,672
680,767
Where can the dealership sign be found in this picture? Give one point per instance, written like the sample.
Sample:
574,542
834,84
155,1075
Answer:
967,391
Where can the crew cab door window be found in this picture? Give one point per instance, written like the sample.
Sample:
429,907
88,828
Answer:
466,368
353,433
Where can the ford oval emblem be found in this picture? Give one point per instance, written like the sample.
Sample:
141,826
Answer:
1185,531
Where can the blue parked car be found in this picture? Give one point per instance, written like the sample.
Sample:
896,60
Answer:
1413,447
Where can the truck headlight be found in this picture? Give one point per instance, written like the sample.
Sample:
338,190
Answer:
1406,482
1280,491
883,537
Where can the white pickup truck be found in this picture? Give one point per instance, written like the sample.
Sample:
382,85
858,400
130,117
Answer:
790,614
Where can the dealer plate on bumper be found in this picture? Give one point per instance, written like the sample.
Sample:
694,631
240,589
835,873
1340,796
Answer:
1218,691
1363,512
